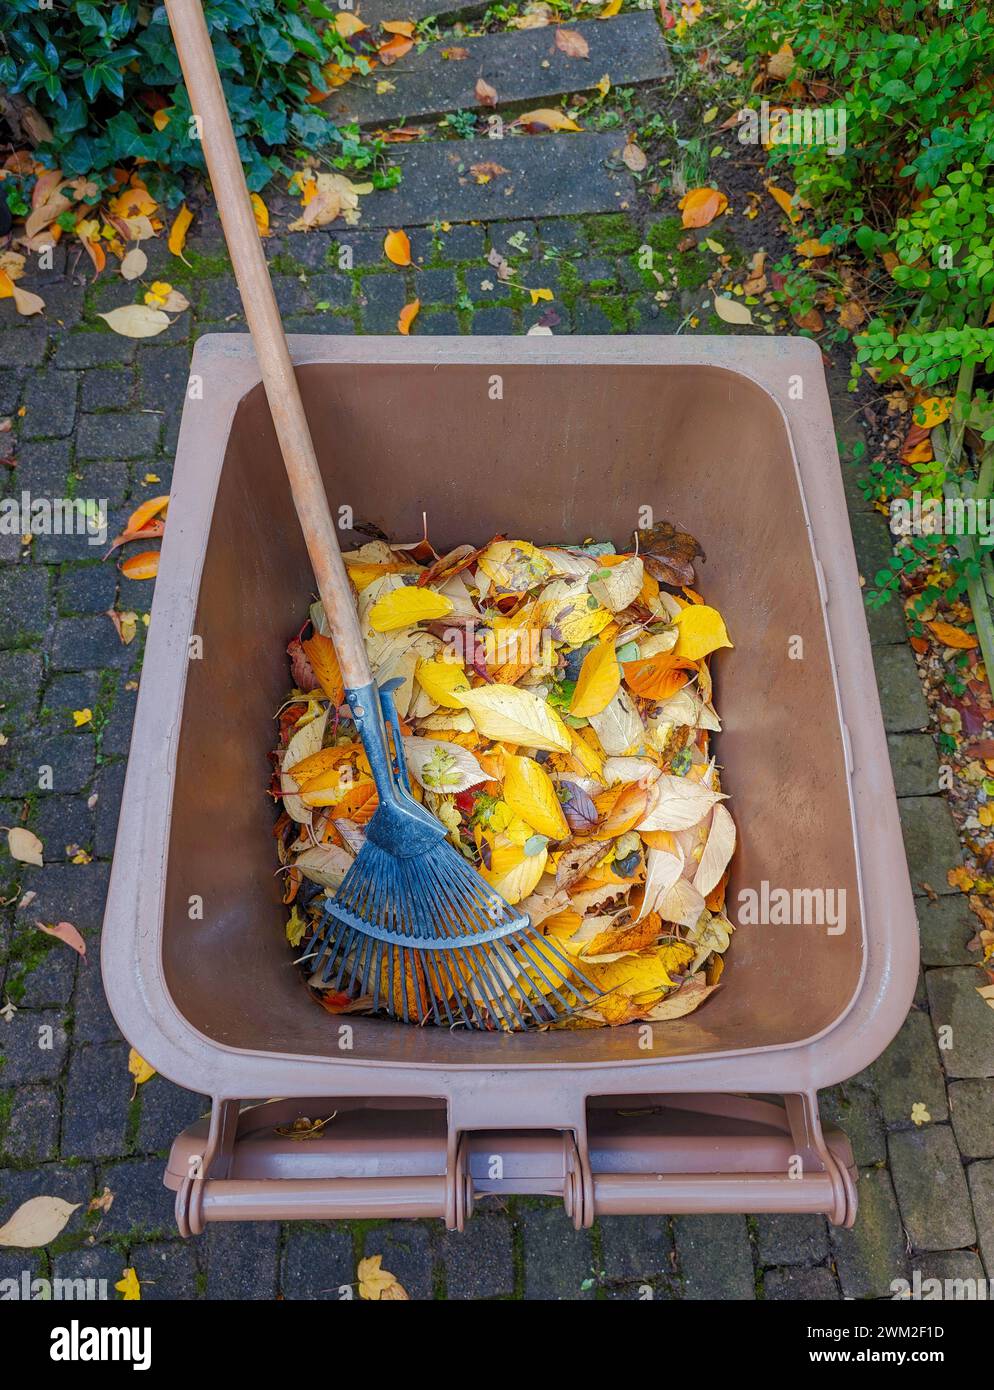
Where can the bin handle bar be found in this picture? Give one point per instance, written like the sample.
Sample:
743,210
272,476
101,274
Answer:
196,56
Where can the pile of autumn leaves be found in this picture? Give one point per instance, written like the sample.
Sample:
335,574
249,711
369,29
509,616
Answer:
556,712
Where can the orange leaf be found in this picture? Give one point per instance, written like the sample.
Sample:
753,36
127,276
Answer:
951,636
320,652
178,231
701,206
397,248
142,515
485,94
625,813
394,48
784,200
403,27
657,677
142,566
407,316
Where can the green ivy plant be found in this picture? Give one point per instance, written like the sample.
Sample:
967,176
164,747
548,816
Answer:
99,73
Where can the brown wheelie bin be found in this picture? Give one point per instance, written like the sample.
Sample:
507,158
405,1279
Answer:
714,1112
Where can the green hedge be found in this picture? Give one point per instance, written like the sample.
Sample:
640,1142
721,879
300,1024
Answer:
98,73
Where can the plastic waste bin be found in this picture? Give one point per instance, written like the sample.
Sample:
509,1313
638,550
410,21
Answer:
555,439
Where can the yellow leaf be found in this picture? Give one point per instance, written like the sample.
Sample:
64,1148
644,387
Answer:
139,1068
784,200
513,873
441,680
178,231
397,248
159,292
700,206
531,794
515,566
347,24
932,412
510,715
604,85
598,681
295,927
548,118
407,316
813,247
406,605
81,717
261,214
128,1286
701,629
611,8
403,27
540,294
376,1283
732,310
160,119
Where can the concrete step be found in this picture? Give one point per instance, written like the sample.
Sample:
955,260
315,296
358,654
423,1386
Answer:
522,65
545,176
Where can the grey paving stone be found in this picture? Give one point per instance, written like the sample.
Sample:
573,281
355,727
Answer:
318,1264
60,764
945,925
981,1178
381,298
88,644
12,384
522,66
98,1094
971,1108
436,287
46,969
715,1258
141,1203
50,404
24,603
479,1261
915,764
874,1252
86,588
589,317
961,1268
292,295
107,388
74,690
166,1110
20,685
930,841
495,320
303,247
34,1047
800,1285
94,350
333,289
97,1266
365,248
852,1108
405,1247
43,466
901,698
438,324
68,892
117,436
242,1259
967,1047
167,1270
554,173
117,730
32,1131
462,244
110,783
163,373
635,1247
63,824
558,1259
376,11
789,1239
93,1021
910,1073
931,1188
22,346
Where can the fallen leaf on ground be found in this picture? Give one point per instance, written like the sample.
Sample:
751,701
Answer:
485,94
633,157
376,1283
65,931
261,214
178,231
128,1286
139,1069
545,118
700,206
397,248
36,1222
732,310
136,321
24,846
142,566
573,44
407,316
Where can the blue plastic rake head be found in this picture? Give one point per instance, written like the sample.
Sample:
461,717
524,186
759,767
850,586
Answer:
417,929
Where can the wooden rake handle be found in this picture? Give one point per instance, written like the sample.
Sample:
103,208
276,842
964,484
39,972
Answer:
196,56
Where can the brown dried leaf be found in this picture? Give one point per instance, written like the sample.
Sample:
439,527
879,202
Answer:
571,43
669,554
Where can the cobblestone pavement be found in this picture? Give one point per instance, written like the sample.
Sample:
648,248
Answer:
96,415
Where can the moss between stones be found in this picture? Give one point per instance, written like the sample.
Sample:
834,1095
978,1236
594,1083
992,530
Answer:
614,232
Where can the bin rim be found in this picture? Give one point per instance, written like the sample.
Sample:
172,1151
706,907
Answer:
131,959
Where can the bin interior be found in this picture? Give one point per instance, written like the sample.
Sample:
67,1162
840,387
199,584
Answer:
568,452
